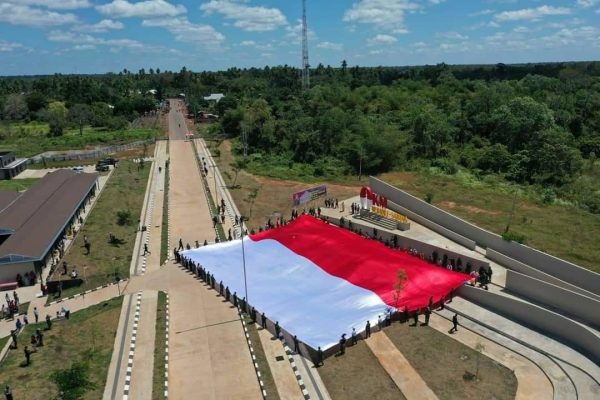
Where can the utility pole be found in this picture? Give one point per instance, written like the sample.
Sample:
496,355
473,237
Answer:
305,64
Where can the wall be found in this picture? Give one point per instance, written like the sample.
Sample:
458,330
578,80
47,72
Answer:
8,272
405,243
554,266
564,329
534,273
581,307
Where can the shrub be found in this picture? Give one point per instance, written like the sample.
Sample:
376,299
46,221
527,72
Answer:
514,236
429,197
124,217
73,382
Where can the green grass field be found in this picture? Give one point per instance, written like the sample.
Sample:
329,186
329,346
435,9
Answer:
28,139
87,336
17,185
124,192
564,231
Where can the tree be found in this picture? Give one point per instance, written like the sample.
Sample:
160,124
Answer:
80,114
56,115
15,107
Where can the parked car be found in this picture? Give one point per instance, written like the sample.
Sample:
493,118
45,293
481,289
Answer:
109,161
101,167
78,169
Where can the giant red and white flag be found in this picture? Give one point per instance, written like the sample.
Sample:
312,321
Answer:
320,281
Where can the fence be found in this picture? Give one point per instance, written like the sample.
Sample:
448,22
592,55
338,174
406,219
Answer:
87,154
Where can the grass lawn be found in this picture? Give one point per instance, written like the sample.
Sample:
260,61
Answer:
272,195
23,309
158,377
88,336
442,362
261,360
28,139
358,375
124,191
17,185
555,229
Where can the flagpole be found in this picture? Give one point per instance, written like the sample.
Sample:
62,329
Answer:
244,260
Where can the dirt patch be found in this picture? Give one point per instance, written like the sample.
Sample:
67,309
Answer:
358,375
470,209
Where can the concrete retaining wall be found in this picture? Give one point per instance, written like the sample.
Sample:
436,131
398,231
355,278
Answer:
581,307
564,329
405,243
534,273
551,265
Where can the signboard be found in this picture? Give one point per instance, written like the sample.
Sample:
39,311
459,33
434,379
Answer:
309,194
369,198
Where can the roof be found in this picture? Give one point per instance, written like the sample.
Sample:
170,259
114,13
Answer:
214,96
40,214
6,199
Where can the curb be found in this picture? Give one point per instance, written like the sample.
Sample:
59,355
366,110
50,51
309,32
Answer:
136,320
167,348
260,382
83,293
290,356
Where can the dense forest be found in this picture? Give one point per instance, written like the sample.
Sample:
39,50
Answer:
535,124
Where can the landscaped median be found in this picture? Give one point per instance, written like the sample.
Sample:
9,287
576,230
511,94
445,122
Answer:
74,358
116,212
158,376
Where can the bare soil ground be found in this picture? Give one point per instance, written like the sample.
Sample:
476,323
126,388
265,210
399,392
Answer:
443,362
357,375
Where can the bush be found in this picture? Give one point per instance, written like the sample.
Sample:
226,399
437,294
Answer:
73,382
548,196
116,123
514,237
446,165
124,217
429,197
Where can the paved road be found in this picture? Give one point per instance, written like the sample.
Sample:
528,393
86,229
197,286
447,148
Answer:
208,353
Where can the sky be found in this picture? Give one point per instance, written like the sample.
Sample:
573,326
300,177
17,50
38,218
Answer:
98,36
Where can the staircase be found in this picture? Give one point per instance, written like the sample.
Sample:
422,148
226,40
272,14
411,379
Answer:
378,220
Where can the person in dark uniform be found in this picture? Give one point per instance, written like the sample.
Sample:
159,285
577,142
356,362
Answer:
235,299
263,321
368,329
427,315
319,357
277,329
221,288
454,323
39,337
253,314
343,344
13,335
48,321
353,337
8,393
227,293
296,345
406,316
27,355
180,244
416,317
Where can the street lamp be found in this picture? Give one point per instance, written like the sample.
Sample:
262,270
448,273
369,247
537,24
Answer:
244,259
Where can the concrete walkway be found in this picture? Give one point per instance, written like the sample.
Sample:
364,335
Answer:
533,384
208,352
285,380
402,373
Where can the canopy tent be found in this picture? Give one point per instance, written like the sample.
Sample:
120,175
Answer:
320,281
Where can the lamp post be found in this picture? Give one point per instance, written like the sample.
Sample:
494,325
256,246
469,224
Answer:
244,259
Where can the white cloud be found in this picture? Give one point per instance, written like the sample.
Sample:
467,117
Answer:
248,43
52,4
247,18
381,39
384,14
85,39
531,13
487,11
294,33
17,14
102,26
185,31
452,36
142,9
330,46
9,46
587,3
84,47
